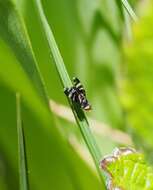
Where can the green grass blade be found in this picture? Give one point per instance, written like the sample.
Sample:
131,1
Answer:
129,10
66,82
23,176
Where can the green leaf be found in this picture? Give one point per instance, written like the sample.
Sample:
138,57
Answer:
23,170
127,170
137,83
13,32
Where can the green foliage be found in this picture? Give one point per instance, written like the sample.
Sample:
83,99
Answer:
66,82
90,42
137,85
128,170
46,164
13,31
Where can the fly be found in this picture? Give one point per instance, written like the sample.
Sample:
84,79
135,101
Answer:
77,94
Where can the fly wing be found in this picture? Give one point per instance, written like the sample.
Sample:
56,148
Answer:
79,86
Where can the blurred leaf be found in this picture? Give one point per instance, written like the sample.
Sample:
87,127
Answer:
127,170
22,158
137,84
101,36
13,31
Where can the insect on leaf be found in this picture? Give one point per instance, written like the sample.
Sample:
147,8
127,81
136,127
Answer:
127,170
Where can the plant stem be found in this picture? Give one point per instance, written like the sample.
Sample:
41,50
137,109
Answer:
66,82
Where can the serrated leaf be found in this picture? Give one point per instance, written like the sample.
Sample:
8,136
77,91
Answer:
127,169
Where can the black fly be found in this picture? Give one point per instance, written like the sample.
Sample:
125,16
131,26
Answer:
77,94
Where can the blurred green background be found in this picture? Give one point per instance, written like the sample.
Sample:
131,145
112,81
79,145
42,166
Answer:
113,58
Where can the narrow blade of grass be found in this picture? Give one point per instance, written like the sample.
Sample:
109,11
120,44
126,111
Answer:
129,10
66,82
23,176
